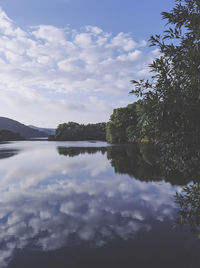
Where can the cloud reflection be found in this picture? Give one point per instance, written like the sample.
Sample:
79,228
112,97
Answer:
49,201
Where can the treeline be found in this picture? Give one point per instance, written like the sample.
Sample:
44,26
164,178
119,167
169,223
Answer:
7,135
72,131
121,128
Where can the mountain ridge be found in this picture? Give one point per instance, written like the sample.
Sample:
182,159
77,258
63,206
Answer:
48,131
23,130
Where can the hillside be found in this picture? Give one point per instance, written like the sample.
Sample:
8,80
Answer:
23,130
48,131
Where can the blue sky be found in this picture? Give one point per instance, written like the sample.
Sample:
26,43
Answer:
141,17
72,60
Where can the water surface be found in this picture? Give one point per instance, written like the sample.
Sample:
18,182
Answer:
85,204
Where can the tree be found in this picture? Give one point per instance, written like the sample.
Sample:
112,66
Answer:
171,98
73,131
123,121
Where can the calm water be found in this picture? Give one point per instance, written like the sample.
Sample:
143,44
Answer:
88,205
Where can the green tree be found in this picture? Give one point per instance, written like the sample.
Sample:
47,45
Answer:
73,131
123,121
171,99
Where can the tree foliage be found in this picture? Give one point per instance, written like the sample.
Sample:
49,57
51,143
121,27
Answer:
122,123
72,131
171,99
7,135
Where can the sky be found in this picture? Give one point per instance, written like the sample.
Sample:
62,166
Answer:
72,60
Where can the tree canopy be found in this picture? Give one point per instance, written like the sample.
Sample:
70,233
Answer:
171,98
122,123
73,131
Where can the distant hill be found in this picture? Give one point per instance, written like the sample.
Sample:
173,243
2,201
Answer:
48,131
23,130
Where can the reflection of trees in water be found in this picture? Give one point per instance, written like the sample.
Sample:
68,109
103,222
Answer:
134,160
140,161
5,153
75,151
188,202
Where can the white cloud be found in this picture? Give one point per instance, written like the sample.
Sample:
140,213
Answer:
44,67
49,33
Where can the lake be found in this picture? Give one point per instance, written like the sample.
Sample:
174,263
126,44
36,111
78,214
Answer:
90,205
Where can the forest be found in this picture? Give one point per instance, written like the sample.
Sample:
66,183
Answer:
73,131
